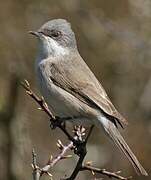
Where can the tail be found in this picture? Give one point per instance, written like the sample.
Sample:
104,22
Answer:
115,135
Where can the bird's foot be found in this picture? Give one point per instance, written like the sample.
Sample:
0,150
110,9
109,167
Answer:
57,122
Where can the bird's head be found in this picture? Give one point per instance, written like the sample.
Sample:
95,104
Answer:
56,38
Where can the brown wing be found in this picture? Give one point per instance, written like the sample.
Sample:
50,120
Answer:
74,76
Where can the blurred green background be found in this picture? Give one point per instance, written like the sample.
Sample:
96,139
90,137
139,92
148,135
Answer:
114,38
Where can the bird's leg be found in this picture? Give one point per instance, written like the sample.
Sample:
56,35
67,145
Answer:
56,123
59,121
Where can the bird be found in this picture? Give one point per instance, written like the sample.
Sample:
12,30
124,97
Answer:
71,89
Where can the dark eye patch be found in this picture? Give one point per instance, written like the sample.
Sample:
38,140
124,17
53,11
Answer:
55,33
52,33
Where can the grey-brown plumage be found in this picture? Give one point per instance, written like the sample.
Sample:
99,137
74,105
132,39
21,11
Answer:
71,89
83,86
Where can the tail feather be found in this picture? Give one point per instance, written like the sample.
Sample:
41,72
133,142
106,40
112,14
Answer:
115,135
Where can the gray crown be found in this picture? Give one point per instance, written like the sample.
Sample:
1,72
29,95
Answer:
52,27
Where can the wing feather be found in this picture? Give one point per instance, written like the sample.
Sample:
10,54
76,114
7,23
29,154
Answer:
76,78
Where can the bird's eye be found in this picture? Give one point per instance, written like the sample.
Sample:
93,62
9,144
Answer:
52,33
55,33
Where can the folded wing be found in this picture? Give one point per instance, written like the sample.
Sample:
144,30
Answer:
74,76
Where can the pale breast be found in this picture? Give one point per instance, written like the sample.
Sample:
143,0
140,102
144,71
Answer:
60,102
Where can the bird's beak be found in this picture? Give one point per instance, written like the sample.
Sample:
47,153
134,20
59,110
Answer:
35,33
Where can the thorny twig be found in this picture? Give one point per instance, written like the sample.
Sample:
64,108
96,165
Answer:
36,169
77,142
55,121
104,172
38,172
80,150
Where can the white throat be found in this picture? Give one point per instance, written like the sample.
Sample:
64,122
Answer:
49,47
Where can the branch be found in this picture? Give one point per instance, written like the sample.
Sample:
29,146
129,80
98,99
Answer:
103,172
77,143
38,172
36,169
80,150
61,155
55,121
40,101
